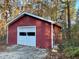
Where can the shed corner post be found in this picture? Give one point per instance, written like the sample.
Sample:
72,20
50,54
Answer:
52,43
7,34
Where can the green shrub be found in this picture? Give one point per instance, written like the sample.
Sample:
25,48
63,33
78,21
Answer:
71,52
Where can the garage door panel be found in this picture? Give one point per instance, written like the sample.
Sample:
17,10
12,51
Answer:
30,29
27,28
21,40
32,40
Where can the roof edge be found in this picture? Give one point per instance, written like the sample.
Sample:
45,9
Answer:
32,15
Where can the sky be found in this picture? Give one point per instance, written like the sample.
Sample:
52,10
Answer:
77,4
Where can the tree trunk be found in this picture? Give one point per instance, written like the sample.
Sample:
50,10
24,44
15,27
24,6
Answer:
69,21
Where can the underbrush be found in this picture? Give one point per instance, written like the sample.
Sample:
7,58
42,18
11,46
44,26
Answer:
71,52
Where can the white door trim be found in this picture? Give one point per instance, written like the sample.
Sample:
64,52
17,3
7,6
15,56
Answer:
52,43
26,26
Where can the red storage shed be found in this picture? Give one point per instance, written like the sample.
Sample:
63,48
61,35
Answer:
32,30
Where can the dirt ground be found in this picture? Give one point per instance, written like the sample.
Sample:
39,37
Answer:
25,52
21,52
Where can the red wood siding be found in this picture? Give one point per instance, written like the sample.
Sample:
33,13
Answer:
57,32
43,31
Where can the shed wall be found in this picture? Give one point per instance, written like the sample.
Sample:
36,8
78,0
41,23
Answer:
43,31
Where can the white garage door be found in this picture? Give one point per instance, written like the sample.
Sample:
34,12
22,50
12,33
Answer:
26,35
